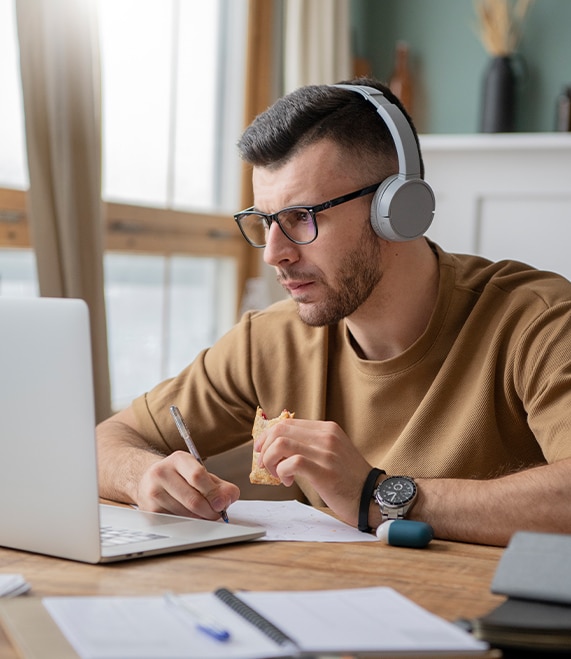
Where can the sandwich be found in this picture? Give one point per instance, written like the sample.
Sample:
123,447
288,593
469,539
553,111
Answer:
260,475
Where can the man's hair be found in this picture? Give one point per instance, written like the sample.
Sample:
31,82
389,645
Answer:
316,112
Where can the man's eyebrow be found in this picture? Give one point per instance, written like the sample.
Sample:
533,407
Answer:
283,208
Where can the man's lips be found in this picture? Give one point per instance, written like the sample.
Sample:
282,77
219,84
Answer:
296,287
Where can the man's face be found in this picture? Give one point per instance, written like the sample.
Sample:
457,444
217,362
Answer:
334,275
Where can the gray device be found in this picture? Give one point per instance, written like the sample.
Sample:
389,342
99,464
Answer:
403,206
49,502
535,566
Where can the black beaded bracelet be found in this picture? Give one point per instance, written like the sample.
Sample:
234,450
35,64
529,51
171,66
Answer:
366,496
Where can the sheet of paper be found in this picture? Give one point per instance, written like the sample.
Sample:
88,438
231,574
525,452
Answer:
363,619
292,520
146,628
359,620
12,585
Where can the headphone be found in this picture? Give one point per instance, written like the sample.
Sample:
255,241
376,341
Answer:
403,205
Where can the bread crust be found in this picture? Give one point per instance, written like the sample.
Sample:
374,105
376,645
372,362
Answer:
260,475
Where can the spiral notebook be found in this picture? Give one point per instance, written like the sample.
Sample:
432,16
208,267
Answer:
258,624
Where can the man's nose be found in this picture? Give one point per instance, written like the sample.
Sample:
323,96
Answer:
279,247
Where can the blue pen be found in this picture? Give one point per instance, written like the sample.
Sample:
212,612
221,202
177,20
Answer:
203,623
185,434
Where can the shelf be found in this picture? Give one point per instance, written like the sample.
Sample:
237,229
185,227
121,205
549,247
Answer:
495,141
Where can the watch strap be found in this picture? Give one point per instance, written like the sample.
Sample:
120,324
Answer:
366,496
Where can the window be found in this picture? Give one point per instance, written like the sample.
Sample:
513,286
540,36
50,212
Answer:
183,294
13,166
172,89
172,101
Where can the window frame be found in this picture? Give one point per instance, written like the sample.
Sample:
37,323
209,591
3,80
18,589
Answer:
144,230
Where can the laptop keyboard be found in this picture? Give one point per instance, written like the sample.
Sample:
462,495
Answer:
112,536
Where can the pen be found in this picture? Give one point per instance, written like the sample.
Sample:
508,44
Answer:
204,624
185,434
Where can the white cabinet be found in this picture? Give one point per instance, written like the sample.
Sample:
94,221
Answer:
503,196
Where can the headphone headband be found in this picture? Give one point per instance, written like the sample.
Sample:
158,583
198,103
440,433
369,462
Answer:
401,132
403,205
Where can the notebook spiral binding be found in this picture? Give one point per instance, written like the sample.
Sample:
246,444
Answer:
253,617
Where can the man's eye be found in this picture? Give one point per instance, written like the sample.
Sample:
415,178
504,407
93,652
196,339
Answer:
303,216
295,216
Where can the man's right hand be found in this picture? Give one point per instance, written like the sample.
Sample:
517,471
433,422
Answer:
180,485
131,471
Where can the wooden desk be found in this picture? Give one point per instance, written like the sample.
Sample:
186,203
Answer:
449,579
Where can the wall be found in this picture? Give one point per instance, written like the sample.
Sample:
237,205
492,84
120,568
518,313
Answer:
449,60
502,196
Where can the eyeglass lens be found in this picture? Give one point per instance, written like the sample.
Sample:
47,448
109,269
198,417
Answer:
297,224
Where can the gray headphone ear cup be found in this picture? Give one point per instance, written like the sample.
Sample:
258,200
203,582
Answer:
402,209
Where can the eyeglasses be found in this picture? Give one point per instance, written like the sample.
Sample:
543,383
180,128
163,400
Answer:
298,223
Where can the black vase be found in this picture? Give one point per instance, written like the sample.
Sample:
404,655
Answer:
499,97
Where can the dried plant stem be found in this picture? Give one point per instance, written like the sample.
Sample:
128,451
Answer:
500,24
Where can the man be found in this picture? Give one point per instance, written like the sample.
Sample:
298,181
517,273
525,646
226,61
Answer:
394,356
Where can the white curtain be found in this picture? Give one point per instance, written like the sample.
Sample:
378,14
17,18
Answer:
59,62
317,44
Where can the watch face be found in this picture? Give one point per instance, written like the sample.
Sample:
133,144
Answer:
396,490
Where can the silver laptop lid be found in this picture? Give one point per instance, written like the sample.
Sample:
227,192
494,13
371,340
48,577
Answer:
48,476
49,500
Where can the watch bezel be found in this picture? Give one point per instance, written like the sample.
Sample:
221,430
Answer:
401,504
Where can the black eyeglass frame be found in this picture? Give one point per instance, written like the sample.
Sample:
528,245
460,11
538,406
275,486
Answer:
313,210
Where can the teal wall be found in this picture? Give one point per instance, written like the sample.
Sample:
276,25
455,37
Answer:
448,59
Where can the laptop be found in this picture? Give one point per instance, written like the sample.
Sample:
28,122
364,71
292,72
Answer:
49,501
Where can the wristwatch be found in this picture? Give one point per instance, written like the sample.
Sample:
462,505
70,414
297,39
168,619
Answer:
395,496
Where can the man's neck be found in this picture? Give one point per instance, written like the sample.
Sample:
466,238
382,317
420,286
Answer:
399,310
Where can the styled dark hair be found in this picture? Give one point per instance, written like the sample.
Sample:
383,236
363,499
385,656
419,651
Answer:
316,112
